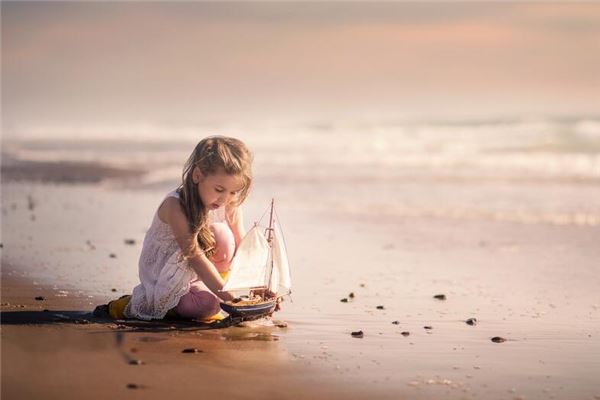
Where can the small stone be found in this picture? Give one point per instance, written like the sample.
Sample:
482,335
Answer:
133,386
344,300
280,324
136,362
440,297
471,321
112,255
358,334
129,241
192,350
362,285
396,322
1,246
351,295
498,339
113,290
428,327
40,298
405,333
380,307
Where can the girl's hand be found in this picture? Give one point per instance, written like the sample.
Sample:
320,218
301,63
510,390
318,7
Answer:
235,220
233,215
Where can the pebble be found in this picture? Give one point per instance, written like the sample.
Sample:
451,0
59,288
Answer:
112,255
351,295
358,334
405,333
498,339
344,300
380,307
136,362
396,322
129,241
362,285
471,321
133,386
440,296
113,290
1,246
192,350
40,298
428,327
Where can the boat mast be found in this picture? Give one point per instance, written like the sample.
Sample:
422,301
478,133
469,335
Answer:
270,229
270,241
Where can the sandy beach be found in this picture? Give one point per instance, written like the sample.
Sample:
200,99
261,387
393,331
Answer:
534,284
435,168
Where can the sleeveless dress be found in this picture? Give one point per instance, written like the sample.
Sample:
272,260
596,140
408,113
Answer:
164,276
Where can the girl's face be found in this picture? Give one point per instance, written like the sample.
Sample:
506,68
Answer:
218,189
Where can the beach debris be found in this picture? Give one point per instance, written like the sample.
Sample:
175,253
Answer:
192,350
30,202
498,339
280,324
396,322
129,241
405,333
351,295
380,307
112,255
40,298
358,334
471,321
427,327
135,362
440,297
344,300
134,386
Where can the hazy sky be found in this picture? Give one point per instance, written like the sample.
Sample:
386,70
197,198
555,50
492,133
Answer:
103,63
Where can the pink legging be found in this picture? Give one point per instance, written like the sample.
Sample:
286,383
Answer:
200,302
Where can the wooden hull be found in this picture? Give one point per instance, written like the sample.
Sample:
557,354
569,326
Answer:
251,310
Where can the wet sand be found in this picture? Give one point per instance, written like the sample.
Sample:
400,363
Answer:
535,284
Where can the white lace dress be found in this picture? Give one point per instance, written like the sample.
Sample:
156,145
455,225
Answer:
164,277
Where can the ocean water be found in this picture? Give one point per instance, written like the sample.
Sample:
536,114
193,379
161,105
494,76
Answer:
524,170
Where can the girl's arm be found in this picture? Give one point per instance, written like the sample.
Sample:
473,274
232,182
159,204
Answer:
235,220
170,211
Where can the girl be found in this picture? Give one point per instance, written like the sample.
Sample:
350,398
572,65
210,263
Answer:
194,234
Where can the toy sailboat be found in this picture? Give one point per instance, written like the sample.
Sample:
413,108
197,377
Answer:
260,268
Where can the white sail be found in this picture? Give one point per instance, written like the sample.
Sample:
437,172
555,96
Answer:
281,280
249,265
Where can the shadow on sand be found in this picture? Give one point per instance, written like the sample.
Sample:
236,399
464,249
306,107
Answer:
86,317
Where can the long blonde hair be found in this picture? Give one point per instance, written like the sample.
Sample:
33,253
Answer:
211,155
